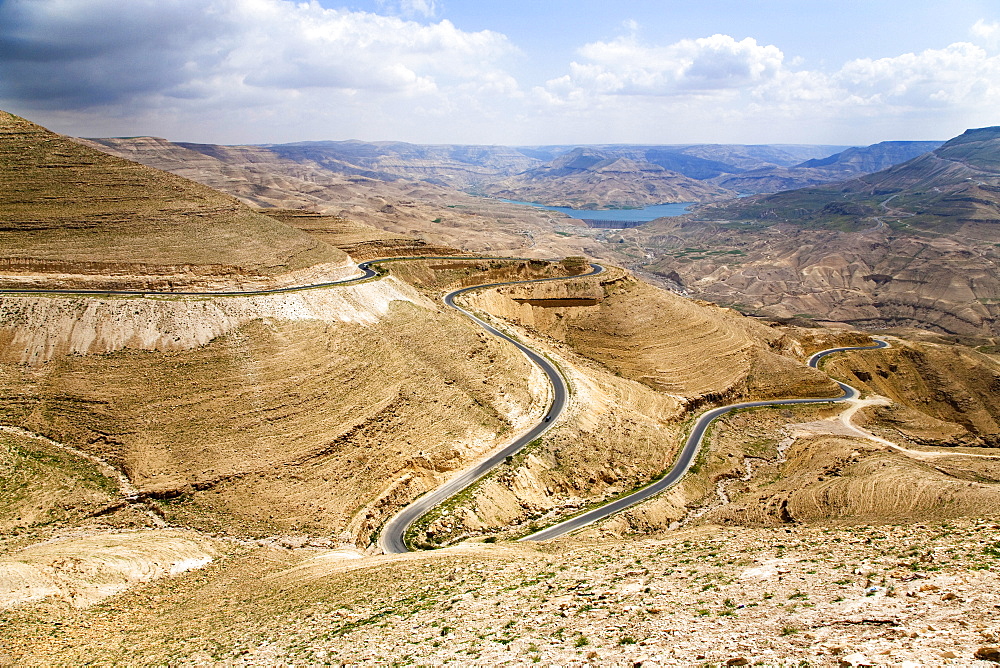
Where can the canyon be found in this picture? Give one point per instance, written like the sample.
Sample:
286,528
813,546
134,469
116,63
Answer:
203,478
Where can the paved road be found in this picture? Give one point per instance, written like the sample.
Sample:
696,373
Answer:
366,273
391,539
690,451
365,268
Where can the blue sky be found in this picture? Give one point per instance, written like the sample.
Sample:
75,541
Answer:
820,31
512,72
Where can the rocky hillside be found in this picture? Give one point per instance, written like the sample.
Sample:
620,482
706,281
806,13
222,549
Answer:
223,408
878,278
76,216
868,159
650,335
639,360
910,246
942,394
833,596
585,178
911,450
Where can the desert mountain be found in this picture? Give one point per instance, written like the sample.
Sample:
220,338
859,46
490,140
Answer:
277,167
201,480
704,161
475,168
469,167
741,157
838,167
68,210
401,206
912,245
464,167
585,178
954,187
867,159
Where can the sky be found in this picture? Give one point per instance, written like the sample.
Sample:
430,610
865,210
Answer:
516,72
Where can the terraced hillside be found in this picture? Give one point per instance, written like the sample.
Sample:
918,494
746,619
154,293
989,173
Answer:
663,341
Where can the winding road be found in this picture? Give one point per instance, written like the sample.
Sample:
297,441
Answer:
365,267
690,451
391,539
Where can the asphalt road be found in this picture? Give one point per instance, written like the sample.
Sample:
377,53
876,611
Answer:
366,272
391,539
690,451
365,267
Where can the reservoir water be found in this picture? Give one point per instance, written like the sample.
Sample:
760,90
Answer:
644,214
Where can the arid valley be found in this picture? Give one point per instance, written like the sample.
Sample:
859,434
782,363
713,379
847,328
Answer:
643,345
201,460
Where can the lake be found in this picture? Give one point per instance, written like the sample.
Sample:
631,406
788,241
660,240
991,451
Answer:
644,214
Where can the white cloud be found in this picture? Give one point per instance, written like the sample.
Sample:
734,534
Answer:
626,67
959,74
282,70
423,7
197,48
722,84
985,30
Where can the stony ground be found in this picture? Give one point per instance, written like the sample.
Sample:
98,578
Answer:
926,594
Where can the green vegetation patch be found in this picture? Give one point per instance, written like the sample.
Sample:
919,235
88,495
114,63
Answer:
41,485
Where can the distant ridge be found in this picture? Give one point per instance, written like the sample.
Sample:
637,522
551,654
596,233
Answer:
588,178
849,163
872,158
955,185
